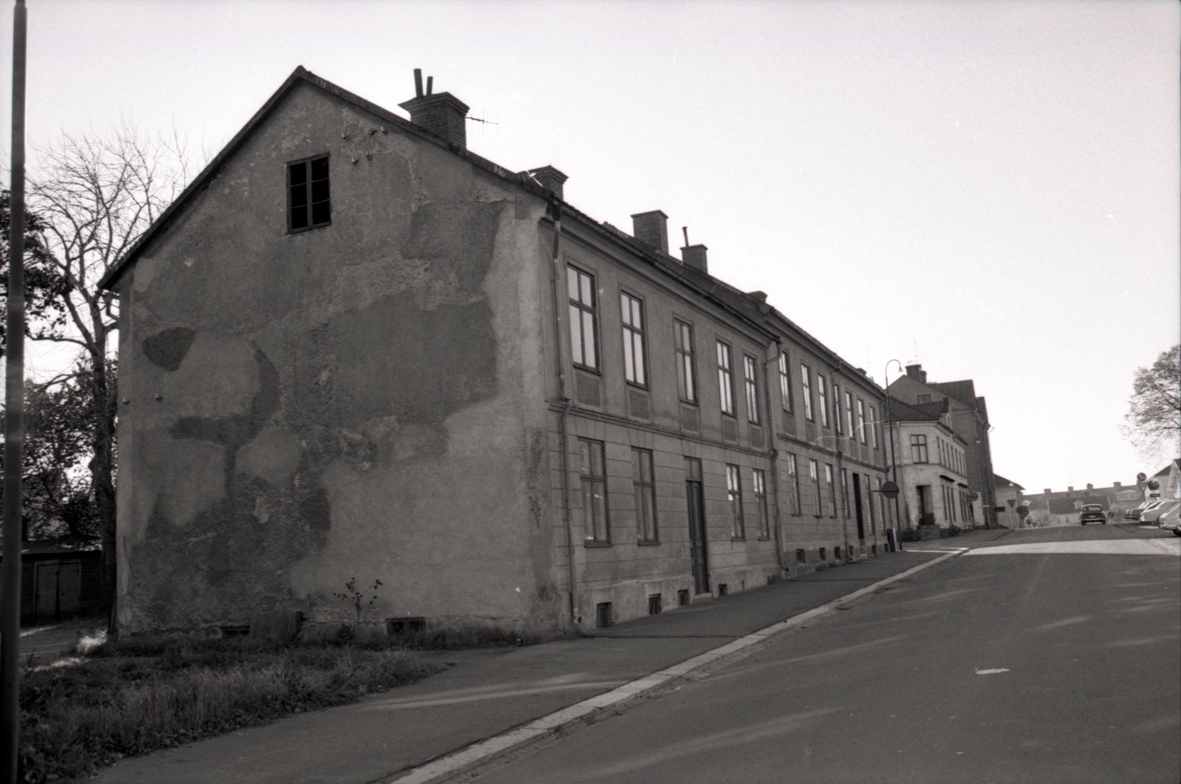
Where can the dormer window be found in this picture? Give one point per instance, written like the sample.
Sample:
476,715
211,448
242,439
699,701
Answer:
308,206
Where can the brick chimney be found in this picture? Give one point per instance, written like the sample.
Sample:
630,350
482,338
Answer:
651,228
917,373
1115,484
548,177
1090,486
694,256
442,114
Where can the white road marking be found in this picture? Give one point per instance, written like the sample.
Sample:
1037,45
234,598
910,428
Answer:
991,672
1107,547
480,751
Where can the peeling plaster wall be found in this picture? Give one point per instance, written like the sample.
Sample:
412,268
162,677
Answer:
363,400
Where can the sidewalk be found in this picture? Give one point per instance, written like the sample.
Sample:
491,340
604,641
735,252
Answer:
487,692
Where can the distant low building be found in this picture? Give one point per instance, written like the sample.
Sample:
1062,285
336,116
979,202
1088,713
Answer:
1008,496
1051,508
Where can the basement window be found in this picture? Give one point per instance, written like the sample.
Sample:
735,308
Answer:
308,204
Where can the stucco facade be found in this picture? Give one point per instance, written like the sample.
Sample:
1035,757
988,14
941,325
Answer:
967,416
395,392
932,469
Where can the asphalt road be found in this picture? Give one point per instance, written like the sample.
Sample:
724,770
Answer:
1049,655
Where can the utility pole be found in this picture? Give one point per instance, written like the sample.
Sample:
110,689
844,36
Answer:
14,422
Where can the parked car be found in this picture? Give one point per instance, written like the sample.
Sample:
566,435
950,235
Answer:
1154,515
1092,513
1171,520
1140,511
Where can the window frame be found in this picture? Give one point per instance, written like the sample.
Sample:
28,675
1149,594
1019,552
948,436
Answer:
686,361
861,420
822,394
806,378
589,481
725,377
918,446
647,531
836,420
873,426
750,383
831,479
849,412
583,311
638,336
734,500
793,470
759,485
814,471
785,381
307,186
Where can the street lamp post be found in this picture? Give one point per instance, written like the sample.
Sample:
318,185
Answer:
893,453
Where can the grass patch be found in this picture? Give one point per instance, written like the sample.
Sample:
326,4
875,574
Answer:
136,696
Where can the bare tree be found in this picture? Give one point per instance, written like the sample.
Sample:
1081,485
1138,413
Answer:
1154,409
96,196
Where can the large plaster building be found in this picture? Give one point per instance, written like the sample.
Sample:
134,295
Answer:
355,349
968,418
931,467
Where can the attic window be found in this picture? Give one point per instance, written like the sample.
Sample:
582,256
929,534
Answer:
308,206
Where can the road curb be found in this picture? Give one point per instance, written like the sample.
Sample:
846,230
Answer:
482,751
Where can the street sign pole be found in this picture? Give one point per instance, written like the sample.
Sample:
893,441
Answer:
14,422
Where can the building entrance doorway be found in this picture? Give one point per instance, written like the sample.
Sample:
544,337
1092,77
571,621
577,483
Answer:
695,496
858,508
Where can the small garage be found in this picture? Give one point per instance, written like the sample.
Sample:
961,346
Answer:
59,581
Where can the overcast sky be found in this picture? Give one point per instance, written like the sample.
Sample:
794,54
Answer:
988,188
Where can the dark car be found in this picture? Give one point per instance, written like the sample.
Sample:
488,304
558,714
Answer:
1092,513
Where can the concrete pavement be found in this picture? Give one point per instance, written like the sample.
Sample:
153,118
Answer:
486,693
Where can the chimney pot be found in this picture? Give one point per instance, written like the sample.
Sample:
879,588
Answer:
442,114
548,177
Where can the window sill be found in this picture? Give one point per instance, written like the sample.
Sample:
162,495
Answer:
648,542
764,538
737,538
591,543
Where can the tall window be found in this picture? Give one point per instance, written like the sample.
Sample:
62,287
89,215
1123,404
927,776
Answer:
749,369
822,393
584,338
918,448
845,490
814,470
592,472
633,339
686,376
873,426
784,382
734,498
849,412
806,377
760,486
793,472
861,420
645,490
836,408
725,379
308,205
832,487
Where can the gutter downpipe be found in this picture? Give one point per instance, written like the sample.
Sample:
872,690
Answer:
774,460
555,210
